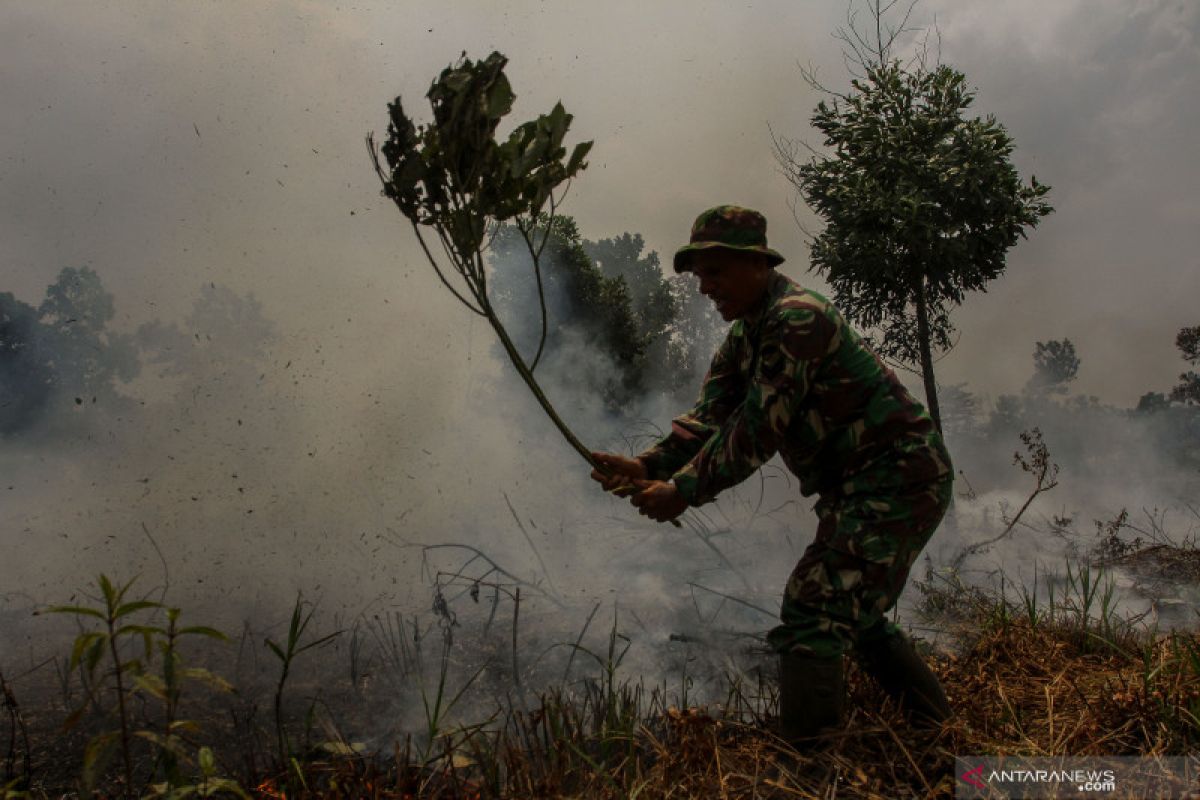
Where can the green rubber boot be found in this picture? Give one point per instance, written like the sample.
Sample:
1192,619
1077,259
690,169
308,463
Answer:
906,678
812,696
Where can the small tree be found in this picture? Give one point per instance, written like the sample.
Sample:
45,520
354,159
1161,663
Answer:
1055,364
1188,389
920,202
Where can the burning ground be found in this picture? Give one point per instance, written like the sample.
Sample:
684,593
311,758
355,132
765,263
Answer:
490,694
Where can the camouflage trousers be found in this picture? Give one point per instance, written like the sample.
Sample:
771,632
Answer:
854,570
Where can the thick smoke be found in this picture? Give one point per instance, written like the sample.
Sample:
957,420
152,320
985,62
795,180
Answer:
285,399
214,479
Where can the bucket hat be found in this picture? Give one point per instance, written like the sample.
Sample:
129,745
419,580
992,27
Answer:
728,228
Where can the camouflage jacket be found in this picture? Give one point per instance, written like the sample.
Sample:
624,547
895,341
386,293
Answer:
794,378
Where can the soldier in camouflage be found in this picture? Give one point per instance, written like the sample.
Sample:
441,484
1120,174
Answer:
792,377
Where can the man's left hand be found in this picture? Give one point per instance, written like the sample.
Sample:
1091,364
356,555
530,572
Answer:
658,500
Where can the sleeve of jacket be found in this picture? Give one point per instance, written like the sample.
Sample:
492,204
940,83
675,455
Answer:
720,393
792,344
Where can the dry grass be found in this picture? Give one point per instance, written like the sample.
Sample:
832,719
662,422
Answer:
1061,678
1018,689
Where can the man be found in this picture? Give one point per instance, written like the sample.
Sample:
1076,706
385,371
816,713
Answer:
792,377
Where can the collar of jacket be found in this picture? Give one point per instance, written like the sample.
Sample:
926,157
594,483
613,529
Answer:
777,286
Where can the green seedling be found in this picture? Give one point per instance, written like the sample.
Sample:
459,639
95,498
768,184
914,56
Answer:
89,651
167,687
210,783
132,676
287,653
440,707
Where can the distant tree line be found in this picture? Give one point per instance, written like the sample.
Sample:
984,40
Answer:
62,365
1084,431
61,352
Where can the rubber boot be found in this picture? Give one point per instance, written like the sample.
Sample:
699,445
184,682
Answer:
812,696
906,678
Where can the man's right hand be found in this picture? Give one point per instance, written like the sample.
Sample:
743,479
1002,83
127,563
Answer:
621,470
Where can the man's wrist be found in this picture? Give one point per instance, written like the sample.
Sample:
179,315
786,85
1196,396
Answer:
645,465
684,482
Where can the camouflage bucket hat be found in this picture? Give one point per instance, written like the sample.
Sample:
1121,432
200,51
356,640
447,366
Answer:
728,228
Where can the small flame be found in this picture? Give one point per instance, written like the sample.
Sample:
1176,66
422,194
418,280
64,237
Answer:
268,789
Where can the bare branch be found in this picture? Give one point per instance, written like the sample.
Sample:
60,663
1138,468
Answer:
438,270
535,255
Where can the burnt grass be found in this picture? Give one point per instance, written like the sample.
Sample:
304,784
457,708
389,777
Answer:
1023,678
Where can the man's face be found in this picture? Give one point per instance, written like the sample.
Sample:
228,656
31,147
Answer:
735,281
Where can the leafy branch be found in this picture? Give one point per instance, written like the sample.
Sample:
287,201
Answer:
455,183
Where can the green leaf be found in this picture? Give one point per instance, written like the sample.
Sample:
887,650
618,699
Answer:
94,653
500,97
558,121
577,155
217,785
152,685
133,665
80,610
319,642
456,81
140,630
276,650
136,605
107,590
82,642
96,756
208,763
339,748
211,678
202,630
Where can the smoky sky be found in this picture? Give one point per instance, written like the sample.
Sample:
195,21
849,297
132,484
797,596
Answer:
170,147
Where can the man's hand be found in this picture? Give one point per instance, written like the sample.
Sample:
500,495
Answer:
658,500
621,471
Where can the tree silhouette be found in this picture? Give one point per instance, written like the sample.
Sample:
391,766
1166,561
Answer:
920,202
26,379
605,300
1055,364
62,354
87,358
1188,389
579,298
224,338
681,325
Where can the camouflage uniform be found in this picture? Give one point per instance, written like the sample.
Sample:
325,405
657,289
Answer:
794,378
